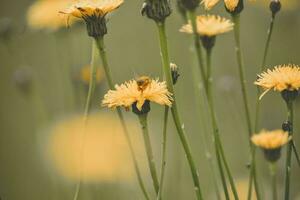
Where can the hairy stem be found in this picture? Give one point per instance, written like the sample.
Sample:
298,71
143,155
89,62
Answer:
175,113
219,148
101,48
290,116
164,151
149,151
85,117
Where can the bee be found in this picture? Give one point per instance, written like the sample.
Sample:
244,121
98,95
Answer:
143,82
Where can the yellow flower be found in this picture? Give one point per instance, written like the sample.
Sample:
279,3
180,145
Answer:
43,14
106,156
271,139
282,77
209,4
85,74
92,8
209,25
138,91
231,4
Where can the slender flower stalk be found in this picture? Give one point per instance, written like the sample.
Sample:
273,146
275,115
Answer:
191,15
274,7
102,52
273,173
214,125
288,165
144,124
206,28
236,20
219,148
163,157
174,110
91,90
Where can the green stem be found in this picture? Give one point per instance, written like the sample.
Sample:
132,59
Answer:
100,45
262,68
258,91
289,152
148,146
163,157
273,180
217,140
85,116
236,20
192,17
175,114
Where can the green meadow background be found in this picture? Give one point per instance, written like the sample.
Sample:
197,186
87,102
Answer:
52,60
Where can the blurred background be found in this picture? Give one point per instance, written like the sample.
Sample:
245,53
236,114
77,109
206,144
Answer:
44,76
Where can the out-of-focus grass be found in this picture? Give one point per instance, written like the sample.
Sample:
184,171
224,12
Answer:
132,47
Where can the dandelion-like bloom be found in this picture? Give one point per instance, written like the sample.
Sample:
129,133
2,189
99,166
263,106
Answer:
209,4
281,78
85,74
231,4
271,143
271,139
43,14
93,12
138,91
209,25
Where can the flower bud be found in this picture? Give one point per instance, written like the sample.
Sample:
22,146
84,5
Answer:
174,72
275,6
287,126
158,10
234,7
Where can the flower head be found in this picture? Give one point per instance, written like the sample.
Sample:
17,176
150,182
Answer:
92,8
209,25
271,139
209,4
231,4
282,77
138,91
93,12
43,14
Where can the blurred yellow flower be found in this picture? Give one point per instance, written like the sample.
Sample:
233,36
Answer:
231,4
44,14
209,25
138,91
242,189
282,77
271,139
209,4
106,155
88,9
85,74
